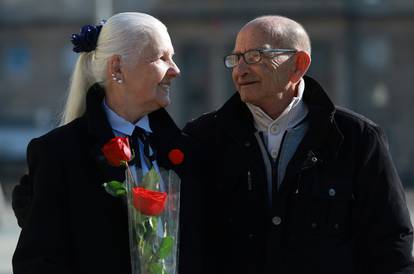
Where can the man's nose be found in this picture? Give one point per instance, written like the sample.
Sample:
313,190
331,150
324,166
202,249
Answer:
173,70
242,68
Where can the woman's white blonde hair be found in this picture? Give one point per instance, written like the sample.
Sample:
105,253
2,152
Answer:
124,34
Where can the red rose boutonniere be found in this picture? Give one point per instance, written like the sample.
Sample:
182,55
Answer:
176,156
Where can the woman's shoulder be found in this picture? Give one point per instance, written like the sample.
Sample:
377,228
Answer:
60,137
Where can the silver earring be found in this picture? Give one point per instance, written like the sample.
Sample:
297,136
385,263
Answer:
119,81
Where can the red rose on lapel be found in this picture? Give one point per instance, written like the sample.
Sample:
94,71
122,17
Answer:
176,156
117,151
148,202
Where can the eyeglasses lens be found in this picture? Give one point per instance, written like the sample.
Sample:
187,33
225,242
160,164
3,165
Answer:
252,56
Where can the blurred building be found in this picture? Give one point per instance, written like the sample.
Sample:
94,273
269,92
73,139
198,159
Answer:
362,54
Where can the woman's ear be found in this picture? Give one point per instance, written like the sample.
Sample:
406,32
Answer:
115,67
302,63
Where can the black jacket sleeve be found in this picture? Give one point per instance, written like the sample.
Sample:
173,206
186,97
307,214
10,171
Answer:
43,243
385,233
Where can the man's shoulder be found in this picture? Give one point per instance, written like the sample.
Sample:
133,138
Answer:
352,116
202,125
231,111
350,121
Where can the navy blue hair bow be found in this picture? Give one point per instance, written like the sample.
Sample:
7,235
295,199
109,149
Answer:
87,39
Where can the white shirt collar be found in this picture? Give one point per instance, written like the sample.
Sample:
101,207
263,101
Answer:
294,113
121,125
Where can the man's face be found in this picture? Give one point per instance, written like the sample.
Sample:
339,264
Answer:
263,82
147,83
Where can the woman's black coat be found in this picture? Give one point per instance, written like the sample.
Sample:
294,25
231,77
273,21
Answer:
73,225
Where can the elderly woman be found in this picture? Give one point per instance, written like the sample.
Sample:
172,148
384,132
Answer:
121,82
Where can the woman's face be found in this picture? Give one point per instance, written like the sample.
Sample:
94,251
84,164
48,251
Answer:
146,84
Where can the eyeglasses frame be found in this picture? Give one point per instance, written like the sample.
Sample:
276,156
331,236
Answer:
261,52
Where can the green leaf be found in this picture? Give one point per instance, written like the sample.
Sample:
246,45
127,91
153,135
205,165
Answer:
166,247
155,268
151,179
115,188
120,192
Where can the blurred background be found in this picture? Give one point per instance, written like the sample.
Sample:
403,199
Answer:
362,55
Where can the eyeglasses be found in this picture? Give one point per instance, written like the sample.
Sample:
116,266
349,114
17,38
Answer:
253,56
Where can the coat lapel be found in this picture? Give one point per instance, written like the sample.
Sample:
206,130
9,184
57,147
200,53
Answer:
165,131
236,121
323,138
100,132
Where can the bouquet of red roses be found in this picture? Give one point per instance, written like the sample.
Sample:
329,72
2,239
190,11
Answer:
153,210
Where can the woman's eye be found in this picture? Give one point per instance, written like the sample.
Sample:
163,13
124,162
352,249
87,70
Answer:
163,58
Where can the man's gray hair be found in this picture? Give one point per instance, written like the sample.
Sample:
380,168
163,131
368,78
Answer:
124,34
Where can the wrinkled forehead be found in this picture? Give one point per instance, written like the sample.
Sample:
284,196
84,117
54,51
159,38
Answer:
253,37
159,42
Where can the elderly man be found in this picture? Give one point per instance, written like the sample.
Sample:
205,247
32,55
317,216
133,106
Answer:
295,184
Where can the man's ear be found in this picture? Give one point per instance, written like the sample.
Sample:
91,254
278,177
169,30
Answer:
302,63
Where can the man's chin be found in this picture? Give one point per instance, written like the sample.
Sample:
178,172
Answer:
245,96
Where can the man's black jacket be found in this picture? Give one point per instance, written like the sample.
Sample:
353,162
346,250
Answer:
340,208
